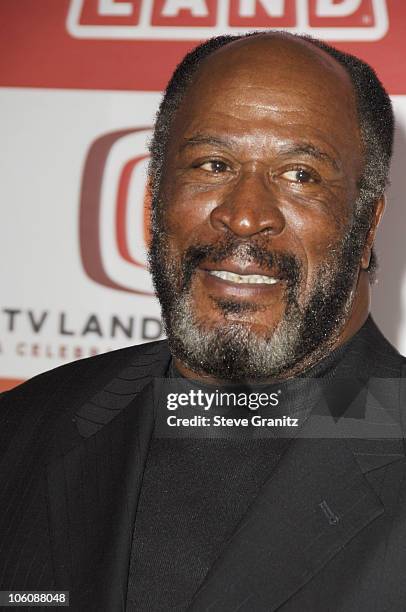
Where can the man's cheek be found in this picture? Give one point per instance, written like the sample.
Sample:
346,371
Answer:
179,236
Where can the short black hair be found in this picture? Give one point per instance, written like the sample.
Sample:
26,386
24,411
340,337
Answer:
374,107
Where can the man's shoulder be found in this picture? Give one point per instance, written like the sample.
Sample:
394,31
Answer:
373,354
53,396
84,373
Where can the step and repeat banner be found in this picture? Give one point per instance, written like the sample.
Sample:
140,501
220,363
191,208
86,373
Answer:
80,84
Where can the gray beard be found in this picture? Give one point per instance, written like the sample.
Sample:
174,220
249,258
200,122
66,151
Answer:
233,351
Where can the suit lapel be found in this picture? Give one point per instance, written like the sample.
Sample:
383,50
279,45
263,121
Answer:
315,502
100,409
93,490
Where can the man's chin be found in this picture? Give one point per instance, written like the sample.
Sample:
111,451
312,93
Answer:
254,331
220,314
233,349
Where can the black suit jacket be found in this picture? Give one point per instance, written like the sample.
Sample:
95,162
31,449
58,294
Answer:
327,531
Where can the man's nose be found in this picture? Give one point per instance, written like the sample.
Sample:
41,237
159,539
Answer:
250,208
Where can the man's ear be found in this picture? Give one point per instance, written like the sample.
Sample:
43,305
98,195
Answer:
376,219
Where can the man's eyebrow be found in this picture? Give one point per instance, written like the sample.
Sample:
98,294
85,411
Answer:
311,150
304,148
203,139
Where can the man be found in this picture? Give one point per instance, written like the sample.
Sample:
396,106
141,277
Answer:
269,164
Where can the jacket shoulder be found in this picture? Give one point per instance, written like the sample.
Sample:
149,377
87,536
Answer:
82,372
48,401
375,355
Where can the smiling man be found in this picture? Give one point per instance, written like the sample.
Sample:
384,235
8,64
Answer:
270,159
262,236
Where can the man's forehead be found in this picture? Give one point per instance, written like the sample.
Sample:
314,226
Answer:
274,60
279,80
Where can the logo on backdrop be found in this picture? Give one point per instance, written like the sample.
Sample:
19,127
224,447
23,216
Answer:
114,211
338,20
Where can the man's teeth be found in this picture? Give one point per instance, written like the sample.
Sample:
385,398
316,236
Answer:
244,278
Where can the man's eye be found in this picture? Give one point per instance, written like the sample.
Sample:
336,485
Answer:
215,166
299,175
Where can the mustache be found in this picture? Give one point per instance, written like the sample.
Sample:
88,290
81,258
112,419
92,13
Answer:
285,265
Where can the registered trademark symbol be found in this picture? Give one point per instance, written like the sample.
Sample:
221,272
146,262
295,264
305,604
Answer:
366,19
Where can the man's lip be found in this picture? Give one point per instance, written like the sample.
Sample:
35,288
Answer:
239,268
226,288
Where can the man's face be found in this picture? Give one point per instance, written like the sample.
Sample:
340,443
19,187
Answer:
255,258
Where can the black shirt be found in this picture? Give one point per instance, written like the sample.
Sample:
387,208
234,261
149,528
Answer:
194,494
